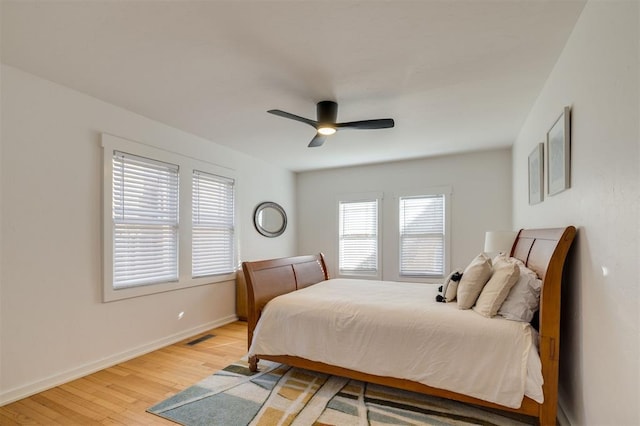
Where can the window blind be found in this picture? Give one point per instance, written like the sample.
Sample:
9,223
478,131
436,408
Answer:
358,237
145,221
213,240
422,236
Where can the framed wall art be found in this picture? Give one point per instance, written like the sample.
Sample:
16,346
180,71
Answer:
536,175
559,154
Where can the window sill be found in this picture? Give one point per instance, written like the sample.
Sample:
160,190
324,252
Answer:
111,295
360,276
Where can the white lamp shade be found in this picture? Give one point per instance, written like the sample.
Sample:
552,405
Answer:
499,241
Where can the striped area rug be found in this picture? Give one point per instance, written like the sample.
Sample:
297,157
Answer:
283,395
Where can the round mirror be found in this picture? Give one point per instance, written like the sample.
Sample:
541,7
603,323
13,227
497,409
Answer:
270,219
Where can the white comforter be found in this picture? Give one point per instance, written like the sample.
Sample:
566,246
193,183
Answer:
399,330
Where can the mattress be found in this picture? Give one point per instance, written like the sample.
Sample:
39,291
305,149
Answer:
397,329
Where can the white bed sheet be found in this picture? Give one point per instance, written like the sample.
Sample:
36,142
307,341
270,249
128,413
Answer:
398,329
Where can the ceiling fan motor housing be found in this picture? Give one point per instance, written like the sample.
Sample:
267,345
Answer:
327,112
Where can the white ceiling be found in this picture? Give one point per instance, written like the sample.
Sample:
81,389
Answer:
455,75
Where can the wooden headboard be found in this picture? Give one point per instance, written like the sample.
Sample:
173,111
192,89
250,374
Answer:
544,251
268,279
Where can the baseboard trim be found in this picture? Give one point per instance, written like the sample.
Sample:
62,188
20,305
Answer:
563,420
32,388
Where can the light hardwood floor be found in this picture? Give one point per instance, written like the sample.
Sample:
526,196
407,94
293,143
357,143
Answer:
119,395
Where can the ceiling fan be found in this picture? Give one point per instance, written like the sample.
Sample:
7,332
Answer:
326,125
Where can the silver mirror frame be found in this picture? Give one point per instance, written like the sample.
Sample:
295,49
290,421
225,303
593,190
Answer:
256,219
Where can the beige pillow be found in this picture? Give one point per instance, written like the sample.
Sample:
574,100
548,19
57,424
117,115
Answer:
505,275
474,277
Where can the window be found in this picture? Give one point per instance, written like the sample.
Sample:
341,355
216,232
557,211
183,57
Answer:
145,221
168,221
358,237
213,228
422,235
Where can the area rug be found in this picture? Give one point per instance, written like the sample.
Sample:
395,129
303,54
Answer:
283,395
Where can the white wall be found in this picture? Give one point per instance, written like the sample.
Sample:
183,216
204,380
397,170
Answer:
53,323
597,75
481,201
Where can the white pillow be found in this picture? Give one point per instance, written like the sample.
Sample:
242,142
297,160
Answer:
505,275
524,298
450,287
474,277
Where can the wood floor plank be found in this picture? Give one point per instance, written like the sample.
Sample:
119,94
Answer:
135,418
120,395
67,411
14,416
6,419
39,413
107,405
78,405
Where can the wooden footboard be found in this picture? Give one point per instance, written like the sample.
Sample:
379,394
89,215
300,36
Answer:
542,250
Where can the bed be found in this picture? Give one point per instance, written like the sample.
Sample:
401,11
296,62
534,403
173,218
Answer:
542,250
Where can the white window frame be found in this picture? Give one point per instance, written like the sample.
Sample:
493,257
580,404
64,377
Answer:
361,197
187,165
445,191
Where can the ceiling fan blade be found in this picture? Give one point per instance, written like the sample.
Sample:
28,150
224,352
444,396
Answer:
285,114
382,123
317,140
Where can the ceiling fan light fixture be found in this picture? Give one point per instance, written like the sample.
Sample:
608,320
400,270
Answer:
326,131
